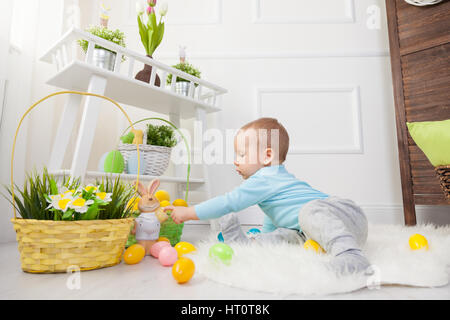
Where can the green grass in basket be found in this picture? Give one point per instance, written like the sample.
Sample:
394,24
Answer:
161,135
31,201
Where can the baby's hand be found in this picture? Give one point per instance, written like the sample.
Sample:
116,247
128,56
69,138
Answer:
181,214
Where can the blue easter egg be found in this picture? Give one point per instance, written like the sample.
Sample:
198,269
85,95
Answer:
253,231
101,162
132,164
220,237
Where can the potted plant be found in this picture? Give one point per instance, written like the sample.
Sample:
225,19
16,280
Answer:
64,223
102,57
156,150
182,85
151,33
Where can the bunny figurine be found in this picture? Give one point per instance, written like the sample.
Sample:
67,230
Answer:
147,225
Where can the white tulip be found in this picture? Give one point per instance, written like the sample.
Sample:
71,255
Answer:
163,9
140,8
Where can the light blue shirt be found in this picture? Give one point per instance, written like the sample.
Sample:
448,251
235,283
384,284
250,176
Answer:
278,193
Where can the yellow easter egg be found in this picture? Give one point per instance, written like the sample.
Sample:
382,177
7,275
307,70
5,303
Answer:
162,195
183,270
184,247
163,239
313,245
164,203
180,203
134,202
418,241
134,254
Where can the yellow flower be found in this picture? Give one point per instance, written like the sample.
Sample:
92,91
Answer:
91,187
60,202
104,196
81,205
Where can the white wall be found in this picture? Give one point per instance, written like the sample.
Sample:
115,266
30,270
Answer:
321,67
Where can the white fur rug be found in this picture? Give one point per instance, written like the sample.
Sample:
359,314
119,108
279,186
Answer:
289,269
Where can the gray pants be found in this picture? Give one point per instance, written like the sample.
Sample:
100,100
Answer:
337,224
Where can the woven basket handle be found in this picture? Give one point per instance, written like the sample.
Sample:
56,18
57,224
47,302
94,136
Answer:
45,98
185,143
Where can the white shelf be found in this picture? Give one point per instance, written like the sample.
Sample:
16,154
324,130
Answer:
74,73
127,177
77,71
136,93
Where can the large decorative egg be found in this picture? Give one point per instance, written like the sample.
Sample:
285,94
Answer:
114,162
132,163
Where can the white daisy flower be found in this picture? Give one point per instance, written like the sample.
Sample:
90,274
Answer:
60,202
90,187
80,205
106,197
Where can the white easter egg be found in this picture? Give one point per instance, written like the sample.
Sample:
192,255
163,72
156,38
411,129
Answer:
101,162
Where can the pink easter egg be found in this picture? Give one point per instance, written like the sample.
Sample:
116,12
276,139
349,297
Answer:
156,248
168,256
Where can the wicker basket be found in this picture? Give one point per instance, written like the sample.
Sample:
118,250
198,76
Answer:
53,246
156,157
443,172
48,246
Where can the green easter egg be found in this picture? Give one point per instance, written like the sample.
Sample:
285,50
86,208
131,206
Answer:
114,162
221,252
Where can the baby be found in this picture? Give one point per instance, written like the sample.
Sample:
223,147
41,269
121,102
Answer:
293,210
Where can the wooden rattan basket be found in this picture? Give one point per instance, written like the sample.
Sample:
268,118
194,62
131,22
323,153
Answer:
443,172
48,246
156,157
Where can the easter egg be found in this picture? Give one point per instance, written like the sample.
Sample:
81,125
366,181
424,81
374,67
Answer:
163,239
132,163
183,270
114,162
167,255
184,247
157,247
221,252
418,241
220,237
133,202
164,203
101,162
134,254
180,203
162,195
313,245
253,231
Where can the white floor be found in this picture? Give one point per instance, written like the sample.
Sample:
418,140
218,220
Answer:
149,280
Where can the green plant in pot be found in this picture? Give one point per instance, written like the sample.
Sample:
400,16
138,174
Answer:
151,32
182,85
104,57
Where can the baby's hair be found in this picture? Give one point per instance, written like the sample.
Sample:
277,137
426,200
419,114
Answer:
270,124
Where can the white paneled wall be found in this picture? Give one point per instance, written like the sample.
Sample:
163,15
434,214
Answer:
321,67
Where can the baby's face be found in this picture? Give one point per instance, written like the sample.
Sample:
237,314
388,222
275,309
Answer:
247,158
